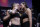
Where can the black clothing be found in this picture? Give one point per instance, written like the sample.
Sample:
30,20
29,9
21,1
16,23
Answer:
26,24
15,25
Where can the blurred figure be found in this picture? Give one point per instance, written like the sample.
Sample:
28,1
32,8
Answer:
26,16
14,16
38,20
33,18
1,22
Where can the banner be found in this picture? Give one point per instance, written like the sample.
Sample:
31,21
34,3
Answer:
4,3
7,3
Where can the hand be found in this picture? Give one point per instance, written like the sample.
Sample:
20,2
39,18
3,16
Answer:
7,13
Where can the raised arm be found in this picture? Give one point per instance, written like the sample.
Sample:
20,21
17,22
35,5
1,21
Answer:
30,16
7,16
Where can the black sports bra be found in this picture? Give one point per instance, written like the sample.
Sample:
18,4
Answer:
14,15
24,15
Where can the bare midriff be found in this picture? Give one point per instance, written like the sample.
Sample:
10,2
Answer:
25,20
15,21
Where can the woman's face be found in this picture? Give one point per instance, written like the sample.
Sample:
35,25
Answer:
16,5
22,5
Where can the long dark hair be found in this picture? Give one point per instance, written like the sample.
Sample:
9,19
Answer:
25,4
12,5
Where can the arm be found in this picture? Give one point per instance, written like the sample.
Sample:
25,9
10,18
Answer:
30,16
7,16
10,23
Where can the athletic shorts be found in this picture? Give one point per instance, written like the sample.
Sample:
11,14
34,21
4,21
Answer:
15,25
26,24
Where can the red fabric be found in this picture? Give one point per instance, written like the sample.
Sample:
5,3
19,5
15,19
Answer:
4,3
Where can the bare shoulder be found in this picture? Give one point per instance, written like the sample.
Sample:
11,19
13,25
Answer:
28,9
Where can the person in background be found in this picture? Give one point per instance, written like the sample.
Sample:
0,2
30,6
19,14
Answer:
1,22
38,20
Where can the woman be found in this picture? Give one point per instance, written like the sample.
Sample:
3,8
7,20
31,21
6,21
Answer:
27,16
14,16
